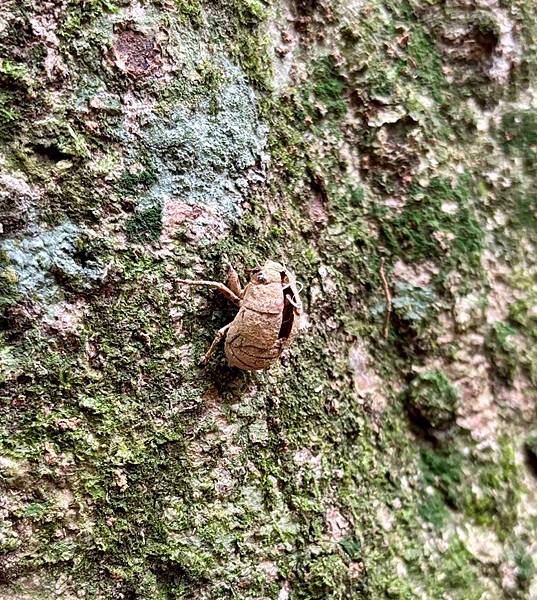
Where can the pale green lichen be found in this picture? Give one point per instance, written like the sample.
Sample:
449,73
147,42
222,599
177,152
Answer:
203,155
43,256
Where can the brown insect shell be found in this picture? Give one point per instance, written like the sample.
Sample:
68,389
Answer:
252,341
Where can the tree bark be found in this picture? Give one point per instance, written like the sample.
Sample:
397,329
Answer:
385,153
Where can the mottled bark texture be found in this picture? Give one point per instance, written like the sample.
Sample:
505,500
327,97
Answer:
386,152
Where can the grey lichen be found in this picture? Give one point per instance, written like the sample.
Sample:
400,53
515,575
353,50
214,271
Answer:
208,156
43,256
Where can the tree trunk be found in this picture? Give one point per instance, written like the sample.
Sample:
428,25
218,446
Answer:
385,152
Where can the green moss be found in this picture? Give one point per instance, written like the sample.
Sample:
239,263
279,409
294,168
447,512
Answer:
149,458
460,573
36,510
325,576
421,60
432,398
239,25
328,88
495,504
523,210
9,289
56,139
17,83
134,181
191,10
512,344
531,445
250,12
8,115
525,567
17,96
503,349
442,468
399,589
518,132
145,225
80,12
486,24
352,547
521,314
518,136
454,572
425,231
434,510
394,54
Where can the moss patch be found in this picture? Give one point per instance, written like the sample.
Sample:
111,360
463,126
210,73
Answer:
145,225
495,504
432,399
427,229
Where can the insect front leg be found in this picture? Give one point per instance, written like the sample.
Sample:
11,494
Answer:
232,280
229,294
220,335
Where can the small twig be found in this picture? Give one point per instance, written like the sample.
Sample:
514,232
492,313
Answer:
388,295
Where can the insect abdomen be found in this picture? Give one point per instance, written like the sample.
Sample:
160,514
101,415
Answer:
252,341
248,356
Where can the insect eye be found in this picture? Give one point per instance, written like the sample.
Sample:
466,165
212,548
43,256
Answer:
261,277
283,276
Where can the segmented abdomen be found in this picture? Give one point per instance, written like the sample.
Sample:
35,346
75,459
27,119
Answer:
252,340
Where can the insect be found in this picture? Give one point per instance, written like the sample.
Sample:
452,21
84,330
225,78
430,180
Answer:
268,317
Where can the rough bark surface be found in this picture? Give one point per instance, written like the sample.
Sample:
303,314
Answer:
386,151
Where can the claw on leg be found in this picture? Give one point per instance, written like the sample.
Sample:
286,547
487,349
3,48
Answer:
220,335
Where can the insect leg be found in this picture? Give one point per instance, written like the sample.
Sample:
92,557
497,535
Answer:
288,294
233,281
229,294
220,334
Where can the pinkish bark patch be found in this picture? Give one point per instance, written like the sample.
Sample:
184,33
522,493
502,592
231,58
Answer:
136,53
